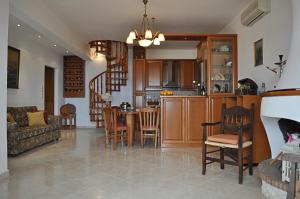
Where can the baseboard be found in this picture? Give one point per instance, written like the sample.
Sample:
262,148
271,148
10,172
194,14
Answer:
4,175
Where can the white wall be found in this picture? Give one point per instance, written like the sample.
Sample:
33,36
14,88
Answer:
290,77
4,15
34,57
171,53
92,69
275,29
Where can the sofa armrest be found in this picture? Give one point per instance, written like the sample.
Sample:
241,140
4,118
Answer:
12,131
12,126
54,120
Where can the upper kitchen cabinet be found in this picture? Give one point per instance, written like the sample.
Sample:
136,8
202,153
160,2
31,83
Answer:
222,64
139,83
154,77
187,74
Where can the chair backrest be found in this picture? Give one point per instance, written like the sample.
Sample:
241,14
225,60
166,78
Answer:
237,118
149,117
67,109
110,118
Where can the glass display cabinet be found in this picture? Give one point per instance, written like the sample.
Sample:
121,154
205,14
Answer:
222,64
219,57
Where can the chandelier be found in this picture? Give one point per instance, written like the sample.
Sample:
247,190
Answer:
146,37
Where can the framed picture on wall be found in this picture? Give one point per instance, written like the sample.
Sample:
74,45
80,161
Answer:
13,64
258,53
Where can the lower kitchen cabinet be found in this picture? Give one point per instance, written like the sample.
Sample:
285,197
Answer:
181,119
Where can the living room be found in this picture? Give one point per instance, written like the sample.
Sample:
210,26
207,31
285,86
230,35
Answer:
84,161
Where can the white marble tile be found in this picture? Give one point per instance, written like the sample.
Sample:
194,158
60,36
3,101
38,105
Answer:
79,166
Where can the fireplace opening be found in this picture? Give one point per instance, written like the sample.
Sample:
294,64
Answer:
287,127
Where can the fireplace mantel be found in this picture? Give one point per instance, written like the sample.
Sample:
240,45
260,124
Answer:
276,105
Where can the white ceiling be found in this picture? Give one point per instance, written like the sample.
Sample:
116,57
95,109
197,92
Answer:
71,24
113,19
17,27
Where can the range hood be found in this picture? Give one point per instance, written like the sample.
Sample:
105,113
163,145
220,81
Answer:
171,72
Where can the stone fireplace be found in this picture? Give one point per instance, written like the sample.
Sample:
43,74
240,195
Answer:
285,103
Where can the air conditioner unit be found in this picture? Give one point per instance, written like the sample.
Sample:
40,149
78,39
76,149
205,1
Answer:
256,10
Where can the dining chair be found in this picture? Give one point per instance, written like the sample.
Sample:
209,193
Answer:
149,124
68,112
114,129
235,135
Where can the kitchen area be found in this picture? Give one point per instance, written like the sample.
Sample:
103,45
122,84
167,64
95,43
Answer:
190,89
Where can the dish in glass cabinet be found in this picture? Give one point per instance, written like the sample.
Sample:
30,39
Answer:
217,88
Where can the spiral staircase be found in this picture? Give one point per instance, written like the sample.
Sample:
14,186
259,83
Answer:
109,81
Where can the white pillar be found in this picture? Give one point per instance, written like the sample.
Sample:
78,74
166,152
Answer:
4,16
291,75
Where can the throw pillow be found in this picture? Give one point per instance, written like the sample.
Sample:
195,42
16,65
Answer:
45,115
35,118
10,118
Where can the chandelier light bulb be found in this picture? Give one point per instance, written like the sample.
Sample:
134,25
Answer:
148,34
161,37
145,42
132,35
156,42
129,40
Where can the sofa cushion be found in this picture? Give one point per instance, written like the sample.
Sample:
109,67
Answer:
28,132
20,114
36,118
10,118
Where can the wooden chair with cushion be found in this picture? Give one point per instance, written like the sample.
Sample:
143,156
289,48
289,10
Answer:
113,128
149,124
68,112
234,136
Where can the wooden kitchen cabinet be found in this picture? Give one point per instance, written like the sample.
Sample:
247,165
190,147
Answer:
172,122
196,113
187,74
139,100
139,68
181,119
154,74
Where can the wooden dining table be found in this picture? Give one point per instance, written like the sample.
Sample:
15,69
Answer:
130,122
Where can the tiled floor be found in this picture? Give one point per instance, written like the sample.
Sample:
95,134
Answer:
79,166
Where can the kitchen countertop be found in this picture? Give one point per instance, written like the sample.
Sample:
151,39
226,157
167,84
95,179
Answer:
183,96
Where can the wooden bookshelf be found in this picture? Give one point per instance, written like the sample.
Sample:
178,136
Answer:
74,77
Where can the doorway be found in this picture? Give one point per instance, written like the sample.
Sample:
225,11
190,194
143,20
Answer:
49,90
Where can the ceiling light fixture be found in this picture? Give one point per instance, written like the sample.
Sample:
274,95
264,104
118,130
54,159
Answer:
19,25
39,36
147,36
54,45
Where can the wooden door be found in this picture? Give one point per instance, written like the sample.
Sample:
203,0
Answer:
172,122
49,90
139,75
154,74
196,110
187,74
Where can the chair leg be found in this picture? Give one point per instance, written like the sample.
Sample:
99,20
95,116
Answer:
106,138
221,158
142,139
155,139
115,140
250,160
203,158
240,164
